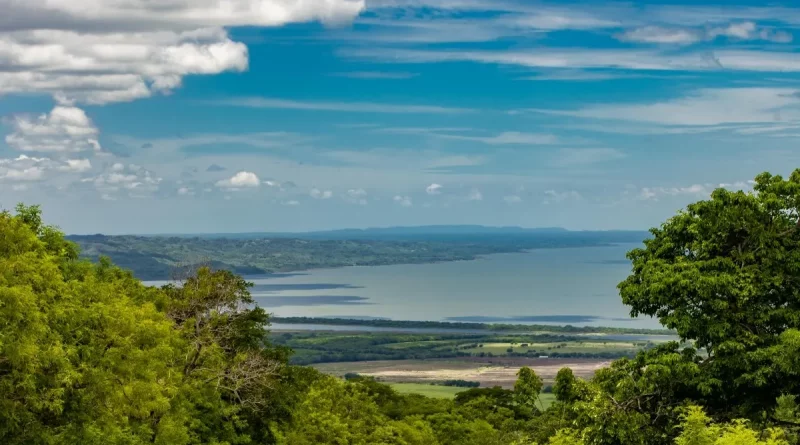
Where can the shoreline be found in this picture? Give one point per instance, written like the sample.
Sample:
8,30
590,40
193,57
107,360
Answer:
387,325
272,275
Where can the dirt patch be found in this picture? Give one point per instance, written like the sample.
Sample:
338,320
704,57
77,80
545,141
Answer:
489,371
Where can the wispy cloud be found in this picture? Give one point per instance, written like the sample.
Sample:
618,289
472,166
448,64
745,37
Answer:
705,107
585,156
607,58
686,36
350,107
376,75
507,137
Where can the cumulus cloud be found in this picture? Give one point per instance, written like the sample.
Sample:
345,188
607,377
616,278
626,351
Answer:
27,168
134,180
67,47
65,129
404,201
694,190
240,180
552,196
357,196
512,199
320,194
215,168
654,193
433,189
76,165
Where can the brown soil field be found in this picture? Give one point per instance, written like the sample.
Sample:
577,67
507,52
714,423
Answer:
499,371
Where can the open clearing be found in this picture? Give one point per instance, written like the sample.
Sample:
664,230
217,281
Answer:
428,390
500,371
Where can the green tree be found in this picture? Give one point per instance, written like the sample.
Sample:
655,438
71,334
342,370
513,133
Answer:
343,413
697,429
725,274
527,389
81,361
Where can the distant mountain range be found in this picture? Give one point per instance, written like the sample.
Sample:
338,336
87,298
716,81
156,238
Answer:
419,232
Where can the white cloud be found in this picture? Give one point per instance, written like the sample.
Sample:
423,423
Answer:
475,195
578,75
27,174
320,194
508,137
654,193
512,199
351,107
404,201
586,156
552,196
134,180
685,36
377,75
433,189
291,203
240,180
357,196
76,165
185,191
66,47
657,34
632,59
65,129
705,107
27,168
19,187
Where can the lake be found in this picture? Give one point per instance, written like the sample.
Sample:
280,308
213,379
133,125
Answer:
549,286
574,286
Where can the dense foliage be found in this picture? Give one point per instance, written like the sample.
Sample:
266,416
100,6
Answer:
88,355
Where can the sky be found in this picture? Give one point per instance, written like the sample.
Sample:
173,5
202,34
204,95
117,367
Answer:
197,116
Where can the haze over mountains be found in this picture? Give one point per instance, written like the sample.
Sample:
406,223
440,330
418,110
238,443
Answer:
419,232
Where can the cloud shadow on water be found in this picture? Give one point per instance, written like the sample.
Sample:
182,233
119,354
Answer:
270,288
532,319
310,300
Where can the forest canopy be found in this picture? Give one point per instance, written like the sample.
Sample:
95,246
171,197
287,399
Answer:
89,355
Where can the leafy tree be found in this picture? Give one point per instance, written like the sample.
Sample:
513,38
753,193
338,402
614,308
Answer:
697,429
80,360
527,389
90,355
725,274
337,412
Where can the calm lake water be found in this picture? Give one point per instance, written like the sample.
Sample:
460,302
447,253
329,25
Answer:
549,286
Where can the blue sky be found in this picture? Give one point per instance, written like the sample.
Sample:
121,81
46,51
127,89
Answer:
267,115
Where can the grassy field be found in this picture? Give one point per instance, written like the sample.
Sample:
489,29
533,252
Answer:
448,392
436,391
586,347
327,347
